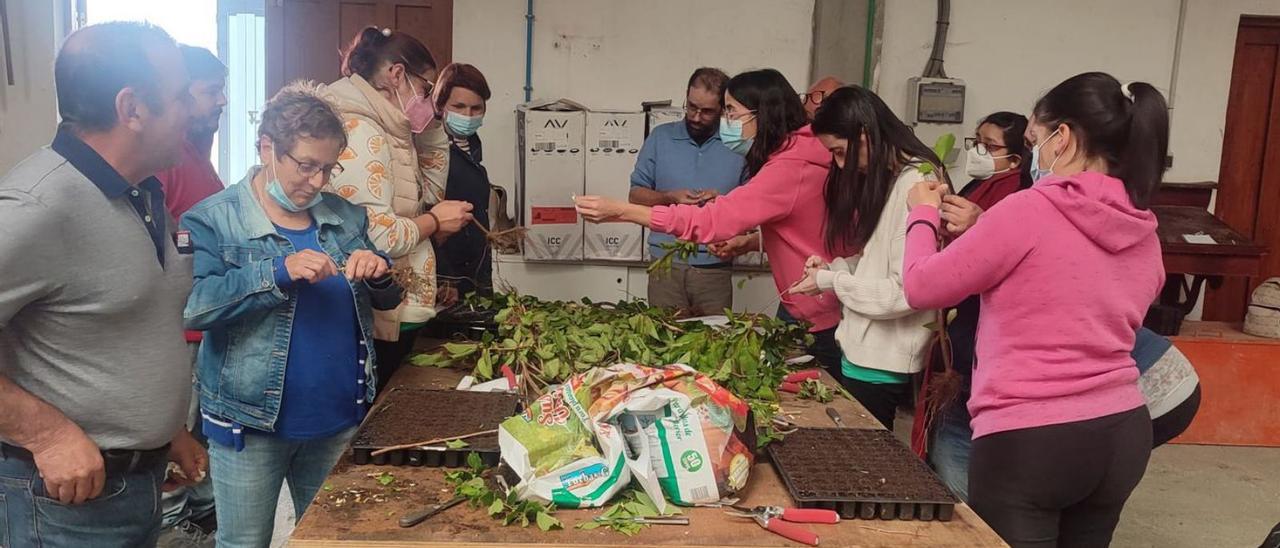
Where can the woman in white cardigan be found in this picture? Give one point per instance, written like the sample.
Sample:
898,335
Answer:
881,337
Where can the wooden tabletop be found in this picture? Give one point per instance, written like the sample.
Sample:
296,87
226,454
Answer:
336,519
1232,255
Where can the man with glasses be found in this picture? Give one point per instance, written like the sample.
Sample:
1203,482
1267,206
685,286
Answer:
686,163
819,91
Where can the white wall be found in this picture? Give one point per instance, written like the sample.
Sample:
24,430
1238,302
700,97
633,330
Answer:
28,110
613,54
1009,53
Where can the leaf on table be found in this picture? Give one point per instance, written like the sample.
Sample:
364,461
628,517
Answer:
547,522
456,444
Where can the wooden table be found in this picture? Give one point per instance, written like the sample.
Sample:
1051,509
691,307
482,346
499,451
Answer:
335,520
1232,255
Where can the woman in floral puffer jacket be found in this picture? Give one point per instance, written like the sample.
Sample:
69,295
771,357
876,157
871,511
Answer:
396,165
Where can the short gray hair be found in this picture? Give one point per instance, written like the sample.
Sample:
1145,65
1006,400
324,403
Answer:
299,110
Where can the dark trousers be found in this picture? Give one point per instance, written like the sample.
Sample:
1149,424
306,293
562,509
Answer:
1172,424
824,349
881,400
390,355
1061,485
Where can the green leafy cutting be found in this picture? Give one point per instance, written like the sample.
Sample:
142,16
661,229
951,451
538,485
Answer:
676,249
816,390
632,503
385,478
546,342
941,147
470,483
456,444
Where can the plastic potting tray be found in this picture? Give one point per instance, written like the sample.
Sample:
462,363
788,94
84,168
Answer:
410,415
862,474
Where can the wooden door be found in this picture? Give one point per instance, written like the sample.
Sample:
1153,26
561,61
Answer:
305,38
1249,179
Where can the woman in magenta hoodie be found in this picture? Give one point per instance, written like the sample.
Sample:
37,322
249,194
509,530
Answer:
787,168
1065,271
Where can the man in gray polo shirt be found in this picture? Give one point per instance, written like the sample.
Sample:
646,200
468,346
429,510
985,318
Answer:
94,372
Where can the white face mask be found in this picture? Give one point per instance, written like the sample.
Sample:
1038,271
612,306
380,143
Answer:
982,166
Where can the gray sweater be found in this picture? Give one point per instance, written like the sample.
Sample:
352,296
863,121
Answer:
89,320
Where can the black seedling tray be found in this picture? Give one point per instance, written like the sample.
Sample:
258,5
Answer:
865,474
410,415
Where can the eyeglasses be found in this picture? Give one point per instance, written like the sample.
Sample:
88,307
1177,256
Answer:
738,115
983,148
309,170
815,97
692,110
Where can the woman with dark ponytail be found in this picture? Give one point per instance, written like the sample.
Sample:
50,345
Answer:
1065,272
396,166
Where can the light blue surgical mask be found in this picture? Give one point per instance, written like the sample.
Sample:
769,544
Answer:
276,191
1036,172
731,136
462,126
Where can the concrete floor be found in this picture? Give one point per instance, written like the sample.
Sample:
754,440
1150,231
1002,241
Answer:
1203,496
1192,497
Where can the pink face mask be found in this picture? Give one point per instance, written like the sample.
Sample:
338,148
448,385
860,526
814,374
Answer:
419,110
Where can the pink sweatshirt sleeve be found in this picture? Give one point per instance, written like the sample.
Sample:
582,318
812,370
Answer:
973,263
767,197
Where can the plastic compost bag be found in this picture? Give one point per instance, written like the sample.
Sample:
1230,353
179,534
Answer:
672,429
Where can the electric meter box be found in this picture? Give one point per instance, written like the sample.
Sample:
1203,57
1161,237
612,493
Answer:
935,100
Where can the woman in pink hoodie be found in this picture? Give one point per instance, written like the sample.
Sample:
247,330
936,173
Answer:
1065,272
787,166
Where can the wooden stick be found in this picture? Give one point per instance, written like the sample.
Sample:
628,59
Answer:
430,442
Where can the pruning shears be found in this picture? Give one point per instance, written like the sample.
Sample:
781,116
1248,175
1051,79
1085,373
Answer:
779,520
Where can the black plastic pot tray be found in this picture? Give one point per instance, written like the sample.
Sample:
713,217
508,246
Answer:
865,474
409,415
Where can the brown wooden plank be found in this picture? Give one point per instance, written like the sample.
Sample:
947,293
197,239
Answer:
1175,221
1185,194
328,523
1252,112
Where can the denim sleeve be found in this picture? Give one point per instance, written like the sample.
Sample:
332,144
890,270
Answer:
223,293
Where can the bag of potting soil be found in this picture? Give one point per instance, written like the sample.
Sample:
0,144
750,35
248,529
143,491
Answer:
672,429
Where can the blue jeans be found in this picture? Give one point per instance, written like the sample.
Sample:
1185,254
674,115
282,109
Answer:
949,447
125,515
246,484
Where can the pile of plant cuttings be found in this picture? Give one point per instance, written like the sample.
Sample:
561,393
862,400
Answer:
546,342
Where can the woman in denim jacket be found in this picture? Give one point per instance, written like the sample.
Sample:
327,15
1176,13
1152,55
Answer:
286,281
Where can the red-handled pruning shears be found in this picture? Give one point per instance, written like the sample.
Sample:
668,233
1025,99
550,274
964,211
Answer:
791,382
779,520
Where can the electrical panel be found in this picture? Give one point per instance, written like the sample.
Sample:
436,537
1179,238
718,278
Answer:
935,100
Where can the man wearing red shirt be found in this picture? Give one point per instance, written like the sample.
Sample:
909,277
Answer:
188,511
194,179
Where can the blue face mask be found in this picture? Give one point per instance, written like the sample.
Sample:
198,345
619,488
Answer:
276,191
462,126
731,136
1036,172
